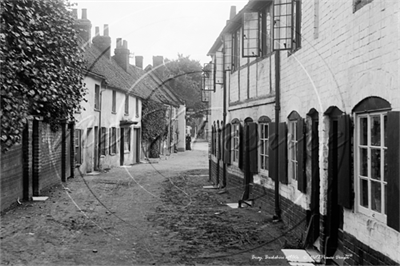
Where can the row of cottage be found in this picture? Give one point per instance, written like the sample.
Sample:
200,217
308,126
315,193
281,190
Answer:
304,101
107,131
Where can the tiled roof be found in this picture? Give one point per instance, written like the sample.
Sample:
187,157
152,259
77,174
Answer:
135,81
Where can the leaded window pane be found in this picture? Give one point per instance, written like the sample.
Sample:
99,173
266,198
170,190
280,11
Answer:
376,130
376,163
364,193
376,196
364,131
364,162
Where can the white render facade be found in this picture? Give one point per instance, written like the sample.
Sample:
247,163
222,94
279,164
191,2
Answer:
116,144
339,107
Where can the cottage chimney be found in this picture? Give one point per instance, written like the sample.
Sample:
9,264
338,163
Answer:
75,13
158,60
121,54
139,61
233,12
96,31
83,25
103,43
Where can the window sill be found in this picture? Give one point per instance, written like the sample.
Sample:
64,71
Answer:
96,110
113,112
127,152
293,51
126,114
372,214
112,154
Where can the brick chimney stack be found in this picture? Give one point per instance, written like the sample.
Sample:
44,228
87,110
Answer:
121,54
158,60
139,61
233,12
103,43
83,25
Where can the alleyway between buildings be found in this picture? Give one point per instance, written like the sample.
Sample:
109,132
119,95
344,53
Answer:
145,214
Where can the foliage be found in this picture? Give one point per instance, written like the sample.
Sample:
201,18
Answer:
153,120
154,127
41,65
187,81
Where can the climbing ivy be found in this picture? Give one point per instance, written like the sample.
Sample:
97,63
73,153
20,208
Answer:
153,120
41,65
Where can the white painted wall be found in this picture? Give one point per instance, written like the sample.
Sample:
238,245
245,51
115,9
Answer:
89,118
344,59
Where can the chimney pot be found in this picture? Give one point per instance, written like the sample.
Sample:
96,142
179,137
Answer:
125,44
84,13
75,13
158,60
83,25
233,12
119,42
105,30
139,61
96,31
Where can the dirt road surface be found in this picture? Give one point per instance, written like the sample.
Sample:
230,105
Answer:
145,214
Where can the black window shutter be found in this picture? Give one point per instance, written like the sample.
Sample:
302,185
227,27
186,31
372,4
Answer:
393,166
273,145
241,146
219,144
227,144
345,184
253,147
212,140
282,146
302,179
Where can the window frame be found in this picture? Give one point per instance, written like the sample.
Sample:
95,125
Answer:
137,107
236,50
293,140
96,97
126,111
112,140
127,140
114,102
78,146
296,41
235,144
265,45
103,141
380,216
264,137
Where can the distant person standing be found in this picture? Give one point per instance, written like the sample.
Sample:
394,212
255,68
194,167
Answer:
188,141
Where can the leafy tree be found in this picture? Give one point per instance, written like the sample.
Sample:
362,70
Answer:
186,79
41,65
154,125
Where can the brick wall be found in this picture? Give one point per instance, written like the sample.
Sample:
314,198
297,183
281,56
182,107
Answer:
361,254
50,157
33,165
293,215
11,176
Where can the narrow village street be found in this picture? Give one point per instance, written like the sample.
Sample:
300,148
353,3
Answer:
145,214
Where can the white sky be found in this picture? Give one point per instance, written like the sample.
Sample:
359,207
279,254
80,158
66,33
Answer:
163,27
